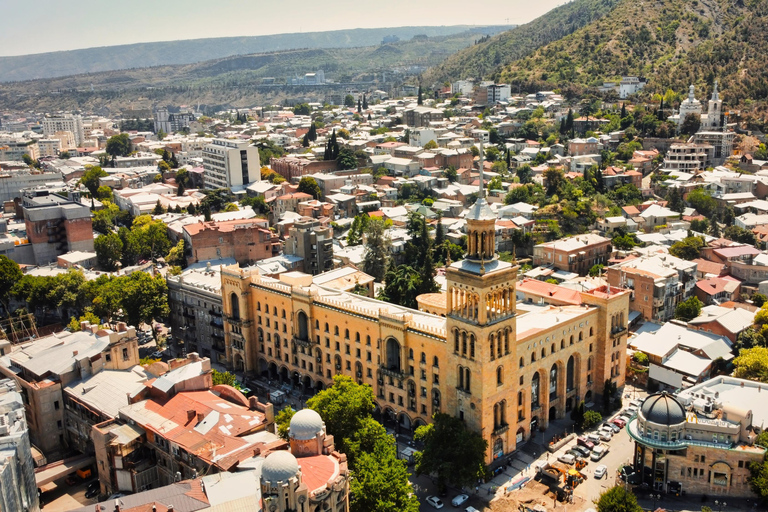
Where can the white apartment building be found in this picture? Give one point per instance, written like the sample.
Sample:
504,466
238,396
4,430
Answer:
64,123
230,164
48,147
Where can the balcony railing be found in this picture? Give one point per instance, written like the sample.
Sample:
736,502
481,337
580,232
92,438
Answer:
304,343
618,331
500,430
239,322
394,373
678,444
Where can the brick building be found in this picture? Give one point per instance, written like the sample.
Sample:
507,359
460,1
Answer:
290,167
506,369
574,254
246,240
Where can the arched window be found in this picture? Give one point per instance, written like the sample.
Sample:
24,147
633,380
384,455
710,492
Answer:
471,346
346,334
553,382
499,376
552,349
571,339
235,301
562,344
581,335
569,377
326,326
535,391
456,340
283,313
258,306
493,352
522,362
393,354
424,358
275,310
543,353
519,398
368,340
466,380
410,354
533,357
303,326
463,343
461,377
336,330
591,331
357,337
506,341
435,361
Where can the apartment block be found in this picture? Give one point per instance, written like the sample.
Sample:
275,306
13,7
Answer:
230,164
18,489
574,254
313,242
64,123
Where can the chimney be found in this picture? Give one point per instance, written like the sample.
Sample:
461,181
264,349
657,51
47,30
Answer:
253,403
193,356
191,415
200,417
170,508
122,327
256,452
74,353
117,505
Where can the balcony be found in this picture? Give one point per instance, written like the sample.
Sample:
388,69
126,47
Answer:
618,331
394,373
238,322
188,314
500,429
678,444
304,343
213,312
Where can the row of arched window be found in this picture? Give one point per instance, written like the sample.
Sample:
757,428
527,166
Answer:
464,343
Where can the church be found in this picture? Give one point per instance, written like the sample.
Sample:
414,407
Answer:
711,121
506,368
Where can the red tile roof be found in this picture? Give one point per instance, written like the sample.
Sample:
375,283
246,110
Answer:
549,290
317,470
226,226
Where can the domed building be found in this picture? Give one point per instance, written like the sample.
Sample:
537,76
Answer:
695,443
311,477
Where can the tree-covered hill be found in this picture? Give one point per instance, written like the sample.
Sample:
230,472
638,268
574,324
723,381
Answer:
484,59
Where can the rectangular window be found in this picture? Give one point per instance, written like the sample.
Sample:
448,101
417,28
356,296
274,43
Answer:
56,405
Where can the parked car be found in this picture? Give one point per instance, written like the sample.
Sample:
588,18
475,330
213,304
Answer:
567,458
594,439
620,422
93,490
599,452
116,495
600,471
459,500
605,435
157,354
435,501
583,450
585,442
611,426
576,454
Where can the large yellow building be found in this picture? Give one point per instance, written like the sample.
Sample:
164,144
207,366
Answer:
506,368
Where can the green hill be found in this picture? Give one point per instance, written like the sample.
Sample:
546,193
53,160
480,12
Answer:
673,43
484,58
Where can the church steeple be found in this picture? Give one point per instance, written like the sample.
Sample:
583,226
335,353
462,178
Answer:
481,223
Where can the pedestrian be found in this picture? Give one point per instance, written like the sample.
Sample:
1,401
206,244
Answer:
477,489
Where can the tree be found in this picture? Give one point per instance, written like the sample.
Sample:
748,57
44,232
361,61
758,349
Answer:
346,159
691,124
349,101
104,193
758,299
308,185
688,248
703,202
739,234
109,250
302,109
378,247
450,174
176,256
283,422
700,225
223,378
553,177
159,210
609,389
431,145
401,286
74,323
451,451
90,179
591,419
624,242
596,270
118,145
617,499
752,364
343,407
144,298
381,481
419,98
524,173
10,274
688,309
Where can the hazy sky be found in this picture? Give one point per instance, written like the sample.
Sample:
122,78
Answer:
37,26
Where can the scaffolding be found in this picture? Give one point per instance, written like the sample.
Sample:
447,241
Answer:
18,328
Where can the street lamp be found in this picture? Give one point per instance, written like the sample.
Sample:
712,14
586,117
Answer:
720,505
655,498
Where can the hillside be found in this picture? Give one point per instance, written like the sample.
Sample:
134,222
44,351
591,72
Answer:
484,59
673,43
142,55
236,81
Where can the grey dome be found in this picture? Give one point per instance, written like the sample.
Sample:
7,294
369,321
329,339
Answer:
663,409
279,466
305,425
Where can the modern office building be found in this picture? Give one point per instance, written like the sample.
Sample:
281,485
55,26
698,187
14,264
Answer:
64,123
230,164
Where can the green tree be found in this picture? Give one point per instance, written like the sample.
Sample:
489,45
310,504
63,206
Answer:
10,274
349,101
758,299
419,98
596,270
283,422
401,286
225,378
703,202
451,451
159,210
431,145
148,238
104,193
118,145
90,179
739,234
344,407
617,499
450,174
752,364
624,242
176,256
144,298
109,250
346,159
74,323
688,309
688,248
591,419
302,109
691,124
378,246
381,481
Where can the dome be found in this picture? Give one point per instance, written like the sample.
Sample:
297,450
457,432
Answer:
305,425
663,409
279,466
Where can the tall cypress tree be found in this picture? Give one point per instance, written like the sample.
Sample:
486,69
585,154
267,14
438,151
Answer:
624,110
359,106
365,103
439,231
569,121
419,99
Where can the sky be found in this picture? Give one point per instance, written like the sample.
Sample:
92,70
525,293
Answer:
38,26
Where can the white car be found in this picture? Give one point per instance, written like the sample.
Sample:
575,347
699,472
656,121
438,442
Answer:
567,458
600,471
605,435
434,501
459,500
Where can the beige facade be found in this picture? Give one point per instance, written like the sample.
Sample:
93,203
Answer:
503,370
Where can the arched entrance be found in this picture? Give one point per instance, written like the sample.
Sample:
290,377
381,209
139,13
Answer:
306,384
284,374
296,379
238,363
263,368
318,386
273,373
552,413
418,422
303,326
498,448
520,436
569,405
404,421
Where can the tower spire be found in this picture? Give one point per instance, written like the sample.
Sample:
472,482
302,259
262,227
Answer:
482,169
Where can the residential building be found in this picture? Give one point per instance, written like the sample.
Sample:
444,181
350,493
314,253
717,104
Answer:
689,157
700,442
723,321
421,116
507,370
45,366
720,141
574,254
290,167
194,300
245,240
582,147
312,242
13,182
630,85
680,357
18,489
718,290
172,122
56,224
658,283
230,164
64,123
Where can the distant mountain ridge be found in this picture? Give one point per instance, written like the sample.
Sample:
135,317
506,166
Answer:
485,59
142,55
